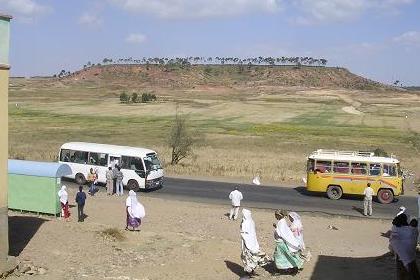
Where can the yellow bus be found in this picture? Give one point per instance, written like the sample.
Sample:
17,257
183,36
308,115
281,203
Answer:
347,172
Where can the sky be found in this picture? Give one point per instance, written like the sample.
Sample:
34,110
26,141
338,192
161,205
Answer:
379,39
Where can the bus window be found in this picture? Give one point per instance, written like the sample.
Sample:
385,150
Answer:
374,169
65,155
358,168
310,165
133,163
341,167
389,170
100,159
80,157
323,166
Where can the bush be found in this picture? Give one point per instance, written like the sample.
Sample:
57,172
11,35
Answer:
379,152
124,98
146,97
135,97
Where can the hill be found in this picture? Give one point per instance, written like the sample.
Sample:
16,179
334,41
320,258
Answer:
174,76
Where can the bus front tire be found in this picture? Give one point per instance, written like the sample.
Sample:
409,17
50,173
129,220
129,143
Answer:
80,179
334,192
133,185
385,196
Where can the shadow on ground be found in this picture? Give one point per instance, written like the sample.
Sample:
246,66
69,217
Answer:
21,231
346,268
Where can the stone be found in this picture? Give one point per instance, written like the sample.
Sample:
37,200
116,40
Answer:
42,271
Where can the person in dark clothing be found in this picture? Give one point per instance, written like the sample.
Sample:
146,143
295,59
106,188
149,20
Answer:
80,200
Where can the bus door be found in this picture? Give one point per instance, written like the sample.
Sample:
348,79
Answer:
374,175
359,176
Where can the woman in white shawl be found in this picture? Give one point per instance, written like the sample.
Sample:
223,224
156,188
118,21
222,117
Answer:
135,211
297,228
64,201
402,242
251,255
288,247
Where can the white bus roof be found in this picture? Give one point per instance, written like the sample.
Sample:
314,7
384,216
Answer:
350,156
105,148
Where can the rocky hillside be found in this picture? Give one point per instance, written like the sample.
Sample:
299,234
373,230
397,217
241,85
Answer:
223,75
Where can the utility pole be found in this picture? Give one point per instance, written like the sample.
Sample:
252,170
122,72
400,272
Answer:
4,87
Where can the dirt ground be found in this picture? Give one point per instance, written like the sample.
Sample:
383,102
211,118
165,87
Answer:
186,240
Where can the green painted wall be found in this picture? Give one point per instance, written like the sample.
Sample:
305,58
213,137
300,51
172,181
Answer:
31,193
4,41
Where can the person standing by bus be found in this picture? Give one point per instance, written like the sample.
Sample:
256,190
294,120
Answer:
235,196
91,179
109,181
367,203
119,184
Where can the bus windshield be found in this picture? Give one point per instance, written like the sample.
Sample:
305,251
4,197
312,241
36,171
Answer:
152,162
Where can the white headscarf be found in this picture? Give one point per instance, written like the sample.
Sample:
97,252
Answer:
135,208
248,234
63,194
402,210
297,228
284,232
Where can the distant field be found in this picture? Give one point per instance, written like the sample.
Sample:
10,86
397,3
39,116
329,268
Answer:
245,129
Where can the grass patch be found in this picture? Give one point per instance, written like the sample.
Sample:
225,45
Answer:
112,234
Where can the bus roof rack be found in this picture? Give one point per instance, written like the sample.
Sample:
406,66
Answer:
344,153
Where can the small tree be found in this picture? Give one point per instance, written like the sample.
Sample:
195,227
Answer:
379,152
135,97
124,98
180,139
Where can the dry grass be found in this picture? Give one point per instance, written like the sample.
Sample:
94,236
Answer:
113,234
246,130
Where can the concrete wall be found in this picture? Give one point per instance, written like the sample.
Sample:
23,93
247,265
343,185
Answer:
4,85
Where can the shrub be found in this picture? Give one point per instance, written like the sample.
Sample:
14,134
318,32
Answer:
135,97
124,98
379,152
146,97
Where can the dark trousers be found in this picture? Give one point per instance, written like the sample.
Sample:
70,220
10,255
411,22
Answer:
114,186
80,214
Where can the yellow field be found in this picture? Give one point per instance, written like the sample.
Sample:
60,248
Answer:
245,129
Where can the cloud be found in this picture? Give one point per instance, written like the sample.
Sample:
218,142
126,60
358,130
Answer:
321,11
410,38
24,10
135,38
196,9
90,20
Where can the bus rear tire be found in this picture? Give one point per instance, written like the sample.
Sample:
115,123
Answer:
334,192
385,196
80,179
133,185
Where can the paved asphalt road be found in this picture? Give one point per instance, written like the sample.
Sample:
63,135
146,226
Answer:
267,197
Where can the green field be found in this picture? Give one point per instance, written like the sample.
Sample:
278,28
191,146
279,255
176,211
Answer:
243,129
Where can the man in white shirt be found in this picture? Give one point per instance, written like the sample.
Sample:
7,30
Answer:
367,204
235,196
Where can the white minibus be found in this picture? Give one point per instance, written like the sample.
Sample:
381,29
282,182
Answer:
141,167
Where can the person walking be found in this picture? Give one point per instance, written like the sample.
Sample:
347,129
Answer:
367,203
109,181
235,196
251,255
80,200
119,183
63,195
135,211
